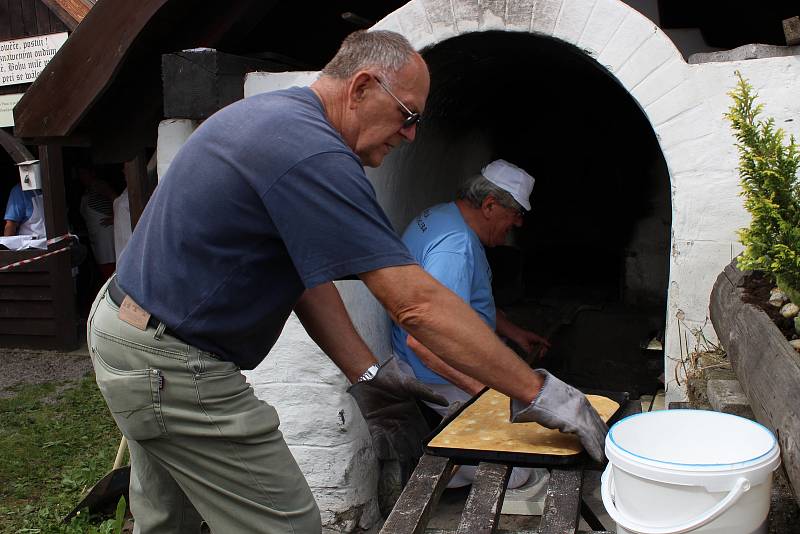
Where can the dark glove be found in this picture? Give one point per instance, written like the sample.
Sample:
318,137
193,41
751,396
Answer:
561,406
388,403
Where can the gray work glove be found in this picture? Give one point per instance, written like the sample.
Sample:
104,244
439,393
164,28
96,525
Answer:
388,403
561,406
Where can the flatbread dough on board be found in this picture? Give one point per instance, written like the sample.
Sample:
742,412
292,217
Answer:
484,426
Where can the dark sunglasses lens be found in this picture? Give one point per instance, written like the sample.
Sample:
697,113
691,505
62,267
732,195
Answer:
411,120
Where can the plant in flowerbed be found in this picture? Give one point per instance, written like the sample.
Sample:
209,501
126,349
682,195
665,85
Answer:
766,365
771,189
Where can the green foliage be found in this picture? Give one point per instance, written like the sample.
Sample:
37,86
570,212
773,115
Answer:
56,441
771,188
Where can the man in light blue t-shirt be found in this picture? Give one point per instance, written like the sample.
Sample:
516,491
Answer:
448,241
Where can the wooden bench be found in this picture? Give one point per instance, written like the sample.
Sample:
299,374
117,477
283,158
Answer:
563,505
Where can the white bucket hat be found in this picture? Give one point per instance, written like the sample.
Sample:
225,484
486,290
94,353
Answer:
511,178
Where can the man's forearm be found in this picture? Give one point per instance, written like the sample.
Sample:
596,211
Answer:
504,326
445,324
323,315
10,228
437,365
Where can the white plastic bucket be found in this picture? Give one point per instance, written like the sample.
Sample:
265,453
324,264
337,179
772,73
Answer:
675,471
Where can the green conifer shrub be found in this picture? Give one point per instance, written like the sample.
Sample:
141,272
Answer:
771,191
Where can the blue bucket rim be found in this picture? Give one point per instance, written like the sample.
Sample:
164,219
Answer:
751,460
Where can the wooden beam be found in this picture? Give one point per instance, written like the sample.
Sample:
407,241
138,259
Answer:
103,45
482,510
767,367
70,12
14,147
140,188
199,82
562,502
413,509
55,200
59,265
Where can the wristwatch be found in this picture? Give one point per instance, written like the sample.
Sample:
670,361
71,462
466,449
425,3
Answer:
369,374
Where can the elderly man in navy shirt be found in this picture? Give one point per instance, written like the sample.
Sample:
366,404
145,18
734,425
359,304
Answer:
264,206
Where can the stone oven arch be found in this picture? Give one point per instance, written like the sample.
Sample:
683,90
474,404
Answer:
619,41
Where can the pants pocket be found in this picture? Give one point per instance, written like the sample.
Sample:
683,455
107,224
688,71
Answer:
133,398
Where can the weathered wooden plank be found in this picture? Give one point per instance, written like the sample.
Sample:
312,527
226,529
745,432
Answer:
562,502
482,509
59,265
199,82
8,257
5,21
412,510
34,341
765,364
25,309
139,186
15,17
14,147
69,12
28,327
30,294
10,278
42,18
29,17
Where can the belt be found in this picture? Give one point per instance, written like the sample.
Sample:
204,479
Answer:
118,295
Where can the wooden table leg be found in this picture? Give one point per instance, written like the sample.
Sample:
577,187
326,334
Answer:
482,510
412,511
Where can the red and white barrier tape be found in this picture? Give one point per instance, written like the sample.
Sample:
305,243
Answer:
35,258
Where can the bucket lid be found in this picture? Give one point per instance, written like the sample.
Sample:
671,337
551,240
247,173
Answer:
693,447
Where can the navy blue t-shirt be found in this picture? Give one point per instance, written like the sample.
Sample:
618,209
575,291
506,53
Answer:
264,200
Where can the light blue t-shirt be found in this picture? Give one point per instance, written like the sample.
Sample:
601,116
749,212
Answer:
447,248
20,205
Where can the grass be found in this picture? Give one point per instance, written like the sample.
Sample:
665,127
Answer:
56,441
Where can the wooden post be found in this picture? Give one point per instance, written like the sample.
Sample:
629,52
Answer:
139,186
59,265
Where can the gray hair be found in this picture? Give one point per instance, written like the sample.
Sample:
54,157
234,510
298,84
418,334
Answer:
385,50
477,188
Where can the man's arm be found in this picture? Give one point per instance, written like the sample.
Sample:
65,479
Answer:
10,228
449,328
526,339
323,315
437,365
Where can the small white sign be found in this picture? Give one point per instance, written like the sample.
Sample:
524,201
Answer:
7,103
21,60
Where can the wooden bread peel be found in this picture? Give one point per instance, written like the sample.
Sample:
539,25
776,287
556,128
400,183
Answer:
485,425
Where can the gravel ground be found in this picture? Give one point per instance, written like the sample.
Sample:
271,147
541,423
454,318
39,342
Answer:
22,366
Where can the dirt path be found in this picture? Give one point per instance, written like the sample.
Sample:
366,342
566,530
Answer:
22,366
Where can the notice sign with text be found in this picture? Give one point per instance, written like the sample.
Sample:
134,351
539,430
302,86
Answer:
7,103
21,60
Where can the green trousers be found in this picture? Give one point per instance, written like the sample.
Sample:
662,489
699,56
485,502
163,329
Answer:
203,446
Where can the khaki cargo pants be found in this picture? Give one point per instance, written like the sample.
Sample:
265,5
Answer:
203,447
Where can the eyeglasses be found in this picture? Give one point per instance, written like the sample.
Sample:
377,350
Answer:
413,118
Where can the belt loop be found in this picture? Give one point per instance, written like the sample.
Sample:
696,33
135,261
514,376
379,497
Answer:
159,331
194,362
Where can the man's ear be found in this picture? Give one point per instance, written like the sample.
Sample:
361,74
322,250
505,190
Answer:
358,88
488,205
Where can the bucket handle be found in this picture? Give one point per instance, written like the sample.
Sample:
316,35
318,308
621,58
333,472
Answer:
607,482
